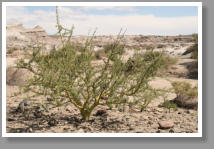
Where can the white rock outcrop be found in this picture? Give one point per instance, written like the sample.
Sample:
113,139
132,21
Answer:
19,37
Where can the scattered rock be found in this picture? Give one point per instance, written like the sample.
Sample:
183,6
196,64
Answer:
38,114
145,118
190,112
165,124
101,113
29,130
171,131
159,109
49,99
158,131
23,105
179,113
11,119
52,122
80,131
149,123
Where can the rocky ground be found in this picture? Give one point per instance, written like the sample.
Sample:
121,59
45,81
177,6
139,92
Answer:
155,119
103,120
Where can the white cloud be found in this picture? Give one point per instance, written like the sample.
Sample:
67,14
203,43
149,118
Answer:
117,8
106,24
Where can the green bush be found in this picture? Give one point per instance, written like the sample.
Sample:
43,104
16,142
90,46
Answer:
187,96
165,60
169,105
69,74
116,47
194,48
185,89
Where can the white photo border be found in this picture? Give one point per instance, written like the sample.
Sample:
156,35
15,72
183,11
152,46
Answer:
5,134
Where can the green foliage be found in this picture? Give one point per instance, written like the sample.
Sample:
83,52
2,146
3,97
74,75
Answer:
185,89
68,75
114,49
194,48
194,54
165,60
169,105
187,96
117,47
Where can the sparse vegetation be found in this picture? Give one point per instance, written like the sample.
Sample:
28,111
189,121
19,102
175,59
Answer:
118,48
149,47
194,48
170,105
185,89
186,94
193,70
165,61
11,50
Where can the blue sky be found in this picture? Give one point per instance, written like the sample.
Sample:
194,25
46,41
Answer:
159,11
160,20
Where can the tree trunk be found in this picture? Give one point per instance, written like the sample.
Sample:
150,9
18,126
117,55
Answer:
85,114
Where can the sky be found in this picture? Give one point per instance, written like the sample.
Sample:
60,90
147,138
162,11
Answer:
145,20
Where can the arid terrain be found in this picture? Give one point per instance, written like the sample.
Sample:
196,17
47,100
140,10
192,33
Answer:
155,119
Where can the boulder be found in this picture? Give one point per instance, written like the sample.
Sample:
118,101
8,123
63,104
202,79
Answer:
165,124
23,106
16,77
186,102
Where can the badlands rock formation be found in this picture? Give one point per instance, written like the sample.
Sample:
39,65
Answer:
20,38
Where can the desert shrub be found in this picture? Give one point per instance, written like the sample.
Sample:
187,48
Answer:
169,105
115,47
135,47
11,50
67,75
194,48
186,94
149,47
193,70
165,60
184,88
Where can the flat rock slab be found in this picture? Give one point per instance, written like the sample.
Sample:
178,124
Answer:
165,124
